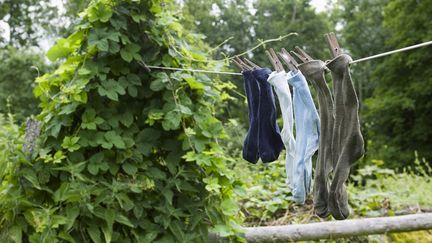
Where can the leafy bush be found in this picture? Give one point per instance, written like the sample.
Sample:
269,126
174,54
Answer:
126,155
11,143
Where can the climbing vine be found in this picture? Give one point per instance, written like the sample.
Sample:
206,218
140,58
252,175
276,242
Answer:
126,154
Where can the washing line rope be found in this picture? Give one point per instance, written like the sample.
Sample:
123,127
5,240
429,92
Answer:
352,62
392,52
193,70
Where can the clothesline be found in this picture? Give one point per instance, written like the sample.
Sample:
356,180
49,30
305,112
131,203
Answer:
352,62
193,70
392,52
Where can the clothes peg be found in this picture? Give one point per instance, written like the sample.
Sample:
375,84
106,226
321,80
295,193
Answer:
270,57
277,61
244,66
251,63
237,64
250,68
302,55
333,44
288,59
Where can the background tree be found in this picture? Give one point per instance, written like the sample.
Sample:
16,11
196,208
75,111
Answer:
25,20
399,111
30,26
221,21
275,17
18,70
248,22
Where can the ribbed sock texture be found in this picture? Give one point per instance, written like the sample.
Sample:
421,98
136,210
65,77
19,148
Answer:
348,142
279,82
314,72
307,135
250,145
270,142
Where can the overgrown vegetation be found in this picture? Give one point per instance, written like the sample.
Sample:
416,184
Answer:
126,155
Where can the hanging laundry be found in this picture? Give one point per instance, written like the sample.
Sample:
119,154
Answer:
279,82
348,144
270,142
314,72
263,139
307,135
250,145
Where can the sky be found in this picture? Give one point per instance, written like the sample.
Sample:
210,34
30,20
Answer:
320,5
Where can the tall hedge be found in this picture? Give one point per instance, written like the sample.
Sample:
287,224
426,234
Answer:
126,154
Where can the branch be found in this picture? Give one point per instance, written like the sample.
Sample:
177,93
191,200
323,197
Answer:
338,229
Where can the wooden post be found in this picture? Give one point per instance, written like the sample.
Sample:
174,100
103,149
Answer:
338,229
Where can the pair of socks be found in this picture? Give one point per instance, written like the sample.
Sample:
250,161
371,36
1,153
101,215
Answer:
263,139
279,81
341,141
307,136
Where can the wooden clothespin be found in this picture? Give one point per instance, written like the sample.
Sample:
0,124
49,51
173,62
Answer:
271,60
251,63
248,67
243,66
237,64
333,44
288,59
275,60
301,54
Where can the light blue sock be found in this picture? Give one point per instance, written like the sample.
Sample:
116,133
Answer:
307,135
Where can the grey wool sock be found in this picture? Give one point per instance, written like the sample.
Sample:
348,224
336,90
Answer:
348,144
314,73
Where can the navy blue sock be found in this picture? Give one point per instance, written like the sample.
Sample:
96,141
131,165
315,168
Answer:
250,145
270,142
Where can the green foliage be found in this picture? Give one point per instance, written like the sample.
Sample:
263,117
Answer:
378,191
267,196
398,113
219,21
11,143
17,73
126,155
